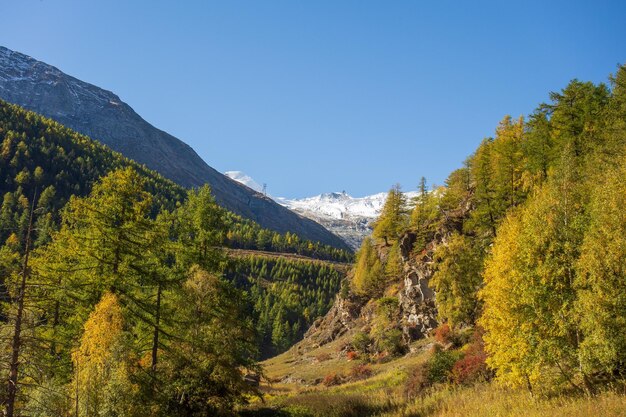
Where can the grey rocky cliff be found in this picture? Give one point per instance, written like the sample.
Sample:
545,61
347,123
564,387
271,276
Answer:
101,115
416,300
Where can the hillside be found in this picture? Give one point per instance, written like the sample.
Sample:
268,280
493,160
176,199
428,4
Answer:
42,159
101,115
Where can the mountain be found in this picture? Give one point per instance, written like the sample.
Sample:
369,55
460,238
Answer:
346,216
101,115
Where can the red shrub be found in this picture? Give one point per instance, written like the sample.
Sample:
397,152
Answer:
443,334
472,366
361,372
332,379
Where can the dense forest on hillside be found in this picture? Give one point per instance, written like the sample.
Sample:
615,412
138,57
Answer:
286,296
528,242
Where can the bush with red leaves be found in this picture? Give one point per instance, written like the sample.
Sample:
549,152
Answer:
361,372
472,367
332,379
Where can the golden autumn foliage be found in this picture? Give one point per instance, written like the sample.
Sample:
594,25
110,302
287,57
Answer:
101,384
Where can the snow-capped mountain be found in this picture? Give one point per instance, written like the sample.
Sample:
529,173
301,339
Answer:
339,205
346,216
349,217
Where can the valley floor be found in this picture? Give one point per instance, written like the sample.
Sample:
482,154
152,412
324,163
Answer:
323,381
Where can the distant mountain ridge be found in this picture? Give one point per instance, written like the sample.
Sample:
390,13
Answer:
349,217
101,115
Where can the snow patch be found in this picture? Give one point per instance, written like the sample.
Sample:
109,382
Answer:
244,179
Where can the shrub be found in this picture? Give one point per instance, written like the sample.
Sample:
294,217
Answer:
332,379
440,366
362,371
361,342
352,355
443,334
472,367
446,335
390,341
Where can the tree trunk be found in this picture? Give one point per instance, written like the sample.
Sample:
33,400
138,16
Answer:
155,338
17,332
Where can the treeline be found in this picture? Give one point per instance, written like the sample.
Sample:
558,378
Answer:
531,241
121,313
286,296
244,234
41,158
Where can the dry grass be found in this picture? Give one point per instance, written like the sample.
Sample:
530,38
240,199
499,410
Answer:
382,392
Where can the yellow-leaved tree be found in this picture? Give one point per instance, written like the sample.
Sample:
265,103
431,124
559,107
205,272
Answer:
369,273
602,279
101,385
532,327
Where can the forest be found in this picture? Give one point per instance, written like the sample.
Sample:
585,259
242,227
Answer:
117,295
286,296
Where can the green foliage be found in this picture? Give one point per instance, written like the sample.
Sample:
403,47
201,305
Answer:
286,296
361,341
601,301
40,157
393,217
424,215
385,334
163,326
440,365
244,234
369,274
457,279
202,374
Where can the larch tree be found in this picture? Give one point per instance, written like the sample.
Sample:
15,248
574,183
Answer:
393,217
457,279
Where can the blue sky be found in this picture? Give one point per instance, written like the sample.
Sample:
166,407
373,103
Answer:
320,96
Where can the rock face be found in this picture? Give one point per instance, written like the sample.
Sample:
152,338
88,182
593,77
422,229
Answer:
101,115
416,299
339,319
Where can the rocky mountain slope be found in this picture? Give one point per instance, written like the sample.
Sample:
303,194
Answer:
416,315
101,115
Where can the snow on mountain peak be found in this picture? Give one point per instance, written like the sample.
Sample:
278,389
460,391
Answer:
346,216
244,179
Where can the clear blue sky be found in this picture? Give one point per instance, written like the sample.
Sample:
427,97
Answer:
331,95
